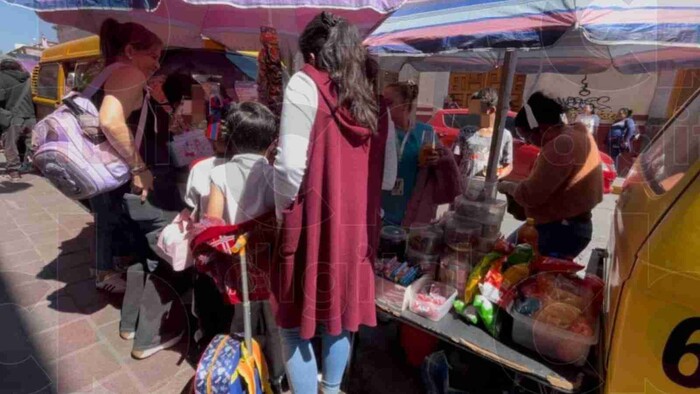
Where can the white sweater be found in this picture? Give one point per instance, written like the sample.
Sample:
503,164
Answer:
298,114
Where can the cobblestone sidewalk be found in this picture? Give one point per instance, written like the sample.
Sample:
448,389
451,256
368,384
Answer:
58,333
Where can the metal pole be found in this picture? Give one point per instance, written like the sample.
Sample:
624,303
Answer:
504,92
247,331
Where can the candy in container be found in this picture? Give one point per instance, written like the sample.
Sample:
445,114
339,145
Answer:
462,234
433,301
392,242
425,239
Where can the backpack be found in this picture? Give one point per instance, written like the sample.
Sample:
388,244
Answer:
226,367
73,153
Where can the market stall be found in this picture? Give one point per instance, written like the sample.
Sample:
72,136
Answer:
563,37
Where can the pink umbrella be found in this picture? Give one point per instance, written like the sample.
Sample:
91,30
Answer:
234,23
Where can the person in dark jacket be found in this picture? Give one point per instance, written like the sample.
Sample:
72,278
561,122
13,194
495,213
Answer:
621,134
17,116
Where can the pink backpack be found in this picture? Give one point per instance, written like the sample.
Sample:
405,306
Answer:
73,153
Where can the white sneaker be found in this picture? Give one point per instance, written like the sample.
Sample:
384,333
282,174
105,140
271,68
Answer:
111,283
127,335
141,354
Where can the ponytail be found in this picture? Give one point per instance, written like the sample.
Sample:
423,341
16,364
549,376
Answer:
115,37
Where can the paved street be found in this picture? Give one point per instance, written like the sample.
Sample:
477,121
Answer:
58,333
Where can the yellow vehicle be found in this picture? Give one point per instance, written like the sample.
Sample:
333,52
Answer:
71,64
652,312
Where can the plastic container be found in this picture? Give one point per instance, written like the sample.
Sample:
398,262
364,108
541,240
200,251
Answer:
425,239
433,301
485,245
476,257
551,342
394,296
488,212
428,263
477,189
462,234
455,268
490,230
392,243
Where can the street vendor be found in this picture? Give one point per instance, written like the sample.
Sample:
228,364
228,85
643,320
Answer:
566,182
427,172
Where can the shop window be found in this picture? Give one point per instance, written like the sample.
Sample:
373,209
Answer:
47,84
675,150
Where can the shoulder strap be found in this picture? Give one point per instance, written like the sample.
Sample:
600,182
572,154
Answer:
145,108
100,80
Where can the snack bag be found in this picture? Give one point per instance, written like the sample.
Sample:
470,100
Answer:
487,314
477,274
490,287
522,254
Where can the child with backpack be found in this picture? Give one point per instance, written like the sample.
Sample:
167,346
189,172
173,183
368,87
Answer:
241,191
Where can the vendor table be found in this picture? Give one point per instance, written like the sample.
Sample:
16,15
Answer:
475,340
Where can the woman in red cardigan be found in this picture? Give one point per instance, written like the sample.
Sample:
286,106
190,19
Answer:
325,190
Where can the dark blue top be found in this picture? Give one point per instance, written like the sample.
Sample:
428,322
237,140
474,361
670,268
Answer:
622,130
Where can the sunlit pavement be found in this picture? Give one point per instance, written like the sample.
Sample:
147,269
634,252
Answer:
58,333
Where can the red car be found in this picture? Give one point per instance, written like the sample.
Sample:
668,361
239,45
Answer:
448,122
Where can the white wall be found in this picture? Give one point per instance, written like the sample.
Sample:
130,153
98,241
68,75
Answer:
665,85
609,91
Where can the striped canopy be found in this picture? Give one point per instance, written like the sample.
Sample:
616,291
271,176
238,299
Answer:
564,36
234,23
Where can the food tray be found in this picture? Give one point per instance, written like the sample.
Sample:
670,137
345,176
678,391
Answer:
419,305
552,343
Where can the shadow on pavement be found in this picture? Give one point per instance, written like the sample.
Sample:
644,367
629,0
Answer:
7,187
22,369
73,266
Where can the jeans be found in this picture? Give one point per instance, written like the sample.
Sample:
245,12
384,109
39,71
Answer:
111,225
19,128
152,307
562,239
300,361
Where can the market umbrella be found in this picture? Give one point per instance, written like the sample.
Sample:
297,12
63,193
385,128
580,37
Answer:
565,36
234,23
582,39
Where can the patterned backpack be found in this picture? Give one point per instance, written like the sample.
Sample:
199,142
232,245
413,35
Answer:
226,367
73,153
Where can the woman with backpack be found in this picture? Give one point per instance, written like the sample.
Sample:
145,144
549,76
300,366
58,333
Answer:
325,198
131,54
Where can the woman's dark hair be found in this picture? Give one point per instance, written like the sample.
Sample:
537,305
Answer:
177,86
627,111
337,48
115,36
545,109
372,72
407,90
250,127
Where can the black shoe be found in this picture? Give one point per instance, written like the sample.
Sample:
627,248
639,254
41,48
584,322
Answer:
26,168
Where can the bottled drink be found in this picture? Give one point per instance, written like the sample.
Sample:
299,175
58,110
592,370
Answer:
527,234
